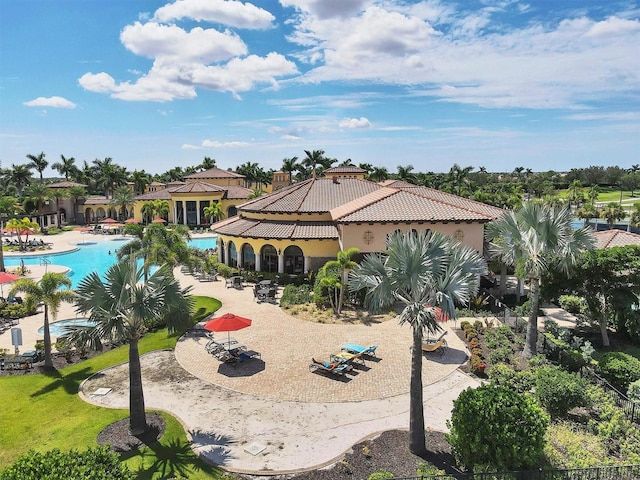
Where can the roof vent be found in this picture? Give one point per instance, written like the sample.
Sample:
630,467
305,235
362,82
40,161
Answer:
335,179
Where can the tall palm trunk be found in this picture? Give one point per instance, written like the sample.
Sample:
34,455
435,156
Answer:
532,325
416,408
48,361
137,419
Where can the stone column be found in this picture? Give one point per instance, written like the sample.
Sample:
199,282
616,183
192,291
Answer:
198,212
307,262
280,263
258,264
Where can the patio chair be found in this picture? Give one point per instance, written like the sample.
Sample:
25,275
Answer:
434,340
439,347
355,348
236,357
335,368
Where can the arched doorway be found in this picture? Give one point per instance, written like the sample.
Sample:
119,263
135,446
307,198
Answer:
233,255
269,259
100,214
248,257
89,216
293,260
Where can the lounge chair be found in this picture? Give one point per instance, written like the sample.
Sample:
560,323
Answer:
439,347
362,350
335,368
434,340
236,357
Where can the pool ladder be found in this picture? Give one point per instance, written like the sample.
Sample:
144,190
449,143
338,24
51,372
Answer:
46,262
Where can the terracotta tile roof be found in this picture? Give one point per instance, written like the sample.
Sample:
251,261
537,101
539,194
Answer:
196,187
97,200
215,172
163,194
237,192
311,196
253,228
460,202
155,183
344,169
173,183
65,184
393,205
615,238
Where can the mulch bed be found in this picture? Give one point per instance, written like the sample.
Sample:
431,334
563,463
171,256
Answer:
59,362
388,451
119,439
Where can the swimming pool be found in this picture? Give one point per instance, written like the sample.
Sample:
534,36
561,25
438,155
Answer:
59,328
96,254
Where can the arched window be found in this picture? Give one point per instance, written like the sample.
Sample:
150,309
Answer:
233,255
232,211
293,260
269,259
221,249
248,257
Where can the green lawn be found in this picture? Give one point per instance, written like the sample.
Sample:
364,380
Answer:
44,412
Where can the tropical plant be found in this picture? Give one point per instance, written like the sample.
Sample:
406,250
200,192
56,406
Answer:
612,213
22,225
207,164
148,209
20,176
213,212
66,167
158,245
40,193
38,162
122,307
75,193
425,272
635,216
495,428
378,174
123,198
161,207
532,239
9,207
587,212
290,165
109,175
48,291
140,180
406,174
342,265
558,391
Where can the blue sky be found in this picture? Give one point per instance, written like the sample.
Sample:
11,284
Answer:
547,85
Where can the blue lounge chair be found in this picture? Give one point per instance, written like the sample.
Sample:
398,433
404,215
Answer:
359,349
335,368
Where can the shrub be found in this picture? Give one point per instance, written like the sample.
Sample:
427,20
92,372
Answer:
477,365
381,475
496,428
295,295
478,325
98,464
570,448
425,469
621,369
634,391
225,271
505,376
572,304
559,391
464,325
500,355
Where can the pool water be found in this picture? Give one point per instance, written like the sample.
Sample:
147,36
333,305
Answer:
57,329
93,255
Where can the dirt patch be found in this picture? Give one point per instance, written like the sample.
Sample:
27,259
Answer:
388,451
119,439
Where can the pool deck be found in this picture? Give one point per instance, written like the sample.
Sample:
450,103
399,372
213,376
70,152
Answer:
272,416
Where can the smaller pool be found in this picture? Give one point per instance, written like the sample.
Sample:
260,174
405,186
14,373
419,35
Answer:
60,328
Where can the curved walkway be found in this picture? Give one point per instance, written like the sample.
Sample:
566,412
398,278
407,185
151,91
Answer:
293,419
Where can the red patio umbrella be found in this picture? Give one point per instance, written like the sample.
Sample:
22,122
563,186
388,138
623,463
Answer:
131,220
9,278
228,322
108,220
159,220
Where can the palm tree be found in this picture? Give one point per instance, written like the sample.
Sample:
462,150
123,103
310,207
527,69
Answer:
39,192
147,210
123,198
207,164
20,176
22,225
213,212
378,174
48,291
123,306
342,264
634,220
422,271
161,207
66,167
140,180
158,245
109,175
612,213
575,196
38,162
405,174
58,194
532,239
290,165
587,212
457,177
312,161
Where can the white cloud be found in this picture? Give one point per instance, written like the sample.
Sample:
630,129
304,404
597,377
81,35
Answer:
54,102
188,146
609,116
217,144
613,26
235,14
291,137
361,122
